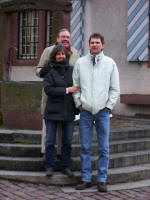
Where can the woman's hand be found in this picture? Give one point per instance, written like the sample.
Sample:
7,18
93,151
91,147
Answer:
72,89
80,108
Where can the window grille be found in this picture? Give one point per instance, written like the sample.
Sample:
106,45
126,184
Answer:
49,17
28,34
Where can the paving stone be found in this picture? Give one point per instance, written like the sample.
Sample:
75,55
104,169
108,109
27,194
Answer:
60,199
128,193
136,193
43,198
97,197
89,198
139,198
22,191
116,198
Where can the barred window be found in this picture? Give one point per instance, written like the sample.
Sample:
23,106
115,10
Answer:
28,34
49,17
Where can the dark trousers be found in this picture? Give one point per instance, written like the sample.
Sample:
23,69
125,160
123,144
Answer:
67,135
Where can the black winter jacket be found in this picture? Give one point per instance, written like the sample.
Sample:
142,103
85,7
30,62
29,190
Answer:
60,106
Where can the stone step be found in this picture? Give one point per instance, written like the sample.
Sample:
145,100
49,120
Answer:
130,133
118,175
34,150
129,145
118,159
129,158
34,137
20,136
129,173
20,150
113,187
36,164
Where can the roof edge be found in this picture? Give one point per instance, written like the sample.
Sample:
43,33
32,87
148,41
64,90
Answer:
16,3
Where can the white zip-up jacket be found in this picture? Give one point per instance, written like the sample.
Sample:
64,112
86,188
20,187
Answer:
98,83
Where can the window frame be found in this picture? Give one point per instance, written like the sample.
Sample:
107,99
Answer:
48,28
41,45
28,35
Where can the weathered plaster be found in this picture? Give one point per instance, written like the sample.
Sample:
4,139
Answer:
110,19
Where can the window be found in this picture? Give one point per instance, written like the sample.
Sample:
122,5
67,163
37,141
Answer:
28,34
28,30
31,33
49,28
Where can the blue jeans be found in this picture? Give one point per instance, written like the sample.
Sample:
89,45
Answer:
102,122
67,134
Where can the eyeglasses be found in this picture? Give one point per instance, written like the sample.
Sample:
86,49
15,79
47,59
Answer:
64,36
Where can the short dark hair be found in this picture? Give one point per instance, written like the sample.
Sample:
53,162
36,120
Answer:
56,49
62,30
97,35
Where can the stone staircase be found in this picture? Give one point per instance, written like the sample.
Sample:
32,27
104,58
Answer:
20,157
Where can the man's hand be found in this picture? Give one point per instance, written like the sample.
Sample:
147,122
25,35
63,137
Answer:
44,71
107,109
72,89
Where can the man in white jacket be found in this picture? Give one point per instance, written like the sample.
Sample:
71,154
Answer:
97,78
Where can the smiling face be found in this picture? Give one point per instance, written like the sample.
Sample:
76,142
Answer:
60,56
64,38
95,46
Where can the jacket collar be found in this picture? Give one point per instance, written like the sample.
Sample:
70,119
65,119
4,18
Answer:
97,58
63,64
71,51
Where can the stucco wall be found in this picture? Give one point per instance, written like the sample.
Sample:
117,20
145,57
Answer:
23,73
110,18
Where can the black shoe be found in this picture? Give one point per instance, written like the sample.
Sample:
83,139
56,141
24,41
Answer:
49,172
101,186
69,173
83,185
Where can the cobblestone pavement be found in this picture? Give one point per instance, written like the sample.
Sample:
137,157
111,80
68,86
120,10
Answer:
10,190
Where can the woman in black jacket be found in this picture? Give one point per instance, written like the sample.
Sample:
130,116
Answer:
60,107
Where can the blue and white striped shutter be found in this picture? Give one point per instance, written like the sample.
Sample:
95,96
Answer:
77,25
138,30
